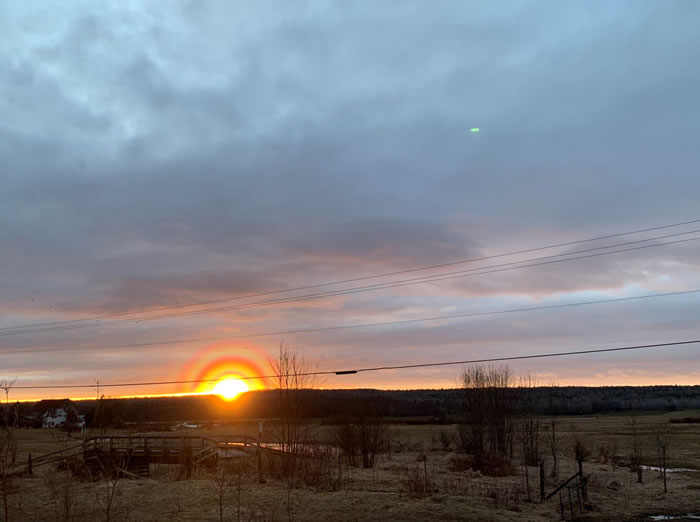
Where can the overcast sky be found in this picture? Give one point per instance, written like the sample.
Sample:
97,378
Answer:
153,155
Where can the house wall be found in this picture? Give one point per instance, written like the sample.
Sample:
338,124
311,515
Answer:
59,419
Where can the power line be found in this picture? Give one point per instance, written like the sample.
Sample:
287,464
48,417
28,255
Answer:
363,325
530,356
356,279
375,369
461,274
380,286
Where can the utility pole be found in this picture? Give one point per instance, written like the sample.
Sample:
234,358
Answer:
7,384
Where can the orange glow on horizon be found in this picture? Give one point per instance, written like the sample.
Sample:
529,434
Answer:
692,379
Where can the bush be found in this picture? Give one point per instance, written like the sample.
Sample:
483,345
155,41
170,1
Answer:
581,452
446,439
504,498
491,465
361,438
416,484
686,420
315,468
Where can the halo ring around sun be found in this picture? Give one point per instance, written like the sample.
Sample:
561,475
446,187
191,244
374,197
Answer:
220,363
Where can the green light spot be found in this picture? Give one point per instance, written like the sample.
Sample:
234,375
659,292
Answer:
475,129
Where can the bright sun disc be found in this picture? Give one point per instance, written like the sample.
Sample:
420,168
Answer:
230,388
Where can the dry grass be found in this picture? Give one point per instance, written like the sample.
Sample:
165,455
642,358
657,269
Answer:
381,493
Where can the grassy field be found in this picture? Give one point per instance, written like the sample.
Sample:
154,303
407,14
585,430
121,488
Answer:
385,493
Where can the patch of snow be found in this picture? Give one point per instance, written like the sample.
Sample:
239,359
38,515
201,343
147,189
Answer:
689,516
669,470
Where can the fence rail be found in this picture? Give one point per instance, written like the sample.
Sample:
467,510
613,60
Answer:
573,493
146,448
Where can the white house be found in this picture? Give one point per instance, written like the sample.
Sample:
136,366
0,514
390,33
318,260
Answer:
56,413
57,417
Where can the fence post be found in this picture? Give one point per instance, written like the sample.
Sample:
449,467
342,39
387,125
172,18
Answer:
578,496
425,469
527,482
29,464
580,468
561,505
340,469
571,503
663,455
542,481
188,456
260,477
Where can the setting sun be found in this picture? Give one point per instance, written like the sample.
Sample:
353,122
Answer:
229,388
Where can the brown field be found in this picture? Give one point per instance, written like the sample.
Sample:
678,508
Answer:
382,493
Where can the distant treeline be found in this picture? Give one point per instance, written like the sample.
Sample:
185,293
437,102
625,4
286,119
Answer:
438,405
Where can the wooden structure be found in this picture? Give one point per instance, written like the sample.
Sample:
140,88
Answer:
573,493
133,455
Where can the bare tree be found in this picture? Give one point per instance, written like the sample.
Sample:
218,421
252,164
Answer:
8,456
502,405
107,493
232,474
529,433
472,432
361,436
220,481
62,491
292,429
107,498
637,447
613,452
241,472
489,407
550,429
662,440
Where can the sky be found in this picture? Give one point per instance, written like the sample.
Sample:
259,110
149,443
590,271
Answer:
154,156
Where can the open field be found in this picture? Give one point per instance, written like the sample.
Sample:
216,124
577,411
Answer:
385,492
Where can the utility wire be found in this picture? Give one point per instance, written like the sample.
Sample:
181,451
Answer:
363,325
352,280
530,356
375,369
380,286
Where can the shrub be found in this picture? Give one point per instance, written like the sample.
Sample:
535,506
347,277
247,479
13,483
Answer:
416,484
446,439
491,465
362,436
686,420
581,452
504,498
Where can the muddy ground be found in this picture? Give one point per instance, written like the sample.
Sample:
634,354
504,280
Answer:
393,489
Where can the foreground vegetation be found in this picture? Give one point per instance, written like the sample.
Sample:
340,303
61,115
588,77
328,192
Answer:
495,457
393,489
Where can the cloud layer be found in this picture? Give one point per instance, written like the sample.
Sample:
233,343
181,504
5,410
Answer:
155,157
